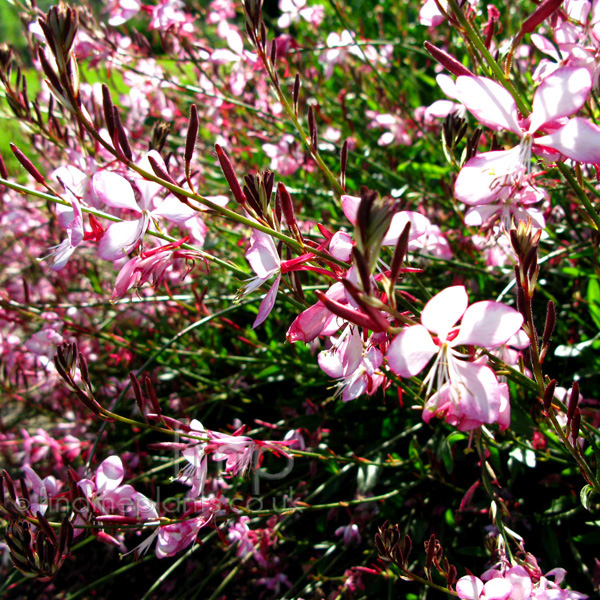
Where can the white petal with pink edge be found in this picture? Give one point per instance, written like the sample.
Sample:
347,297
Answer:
114,190
497,589
350,207
444,310
476,391
489,102
109,474
560,95
578,140
119,239
469,587
262,255
266,306
487,177
488,324
418,226
410,351
173,210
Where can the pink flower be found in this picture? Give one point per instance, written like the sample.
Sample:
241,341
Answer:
107,496
432,242
495,174
167,14
470,388
472,588
515,583
396,128
430,14
176,537
293,10
114,190
122,10
41,491
264,260
239,533
350,533
196,470
340,45
317,319
151,266
354,363
71,220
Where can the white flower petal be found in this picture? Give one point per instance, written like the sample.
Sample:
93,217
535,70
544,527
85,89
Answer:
444,310
410,351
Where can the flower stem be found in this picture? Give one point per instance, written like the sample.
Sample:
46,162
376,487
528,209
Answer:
473,36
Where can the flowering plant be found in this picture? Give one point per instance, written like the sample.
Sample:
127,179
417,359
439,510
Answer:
297,300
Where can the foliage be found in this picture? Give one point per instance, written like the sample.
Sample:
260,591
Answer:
300,301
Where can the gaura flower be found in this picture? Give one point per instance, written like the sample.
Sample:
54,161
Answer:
493,175
471,388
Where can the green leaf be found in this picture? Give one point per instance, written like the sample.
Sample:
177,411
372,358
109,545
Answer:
593,298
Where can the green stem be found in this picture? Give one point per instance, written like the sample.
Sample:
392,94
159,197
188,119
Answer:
292,115
474,37
314,507
100,214
572,181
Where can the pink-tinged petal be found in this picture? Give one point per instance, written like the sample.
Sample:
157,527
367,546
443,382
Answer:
340,246
75,227
476,392
545,46
497,589
352,353
430,14
558,574
521,582
61,254
504,414
109,474
120,238
441,108
142,507
489,102
487,177
418,226
65,214
447,85
355,386
114,190
309,324
128,276
578,140
87,486
266,306
174,210
312,322
330,362
410,351
372,360
488,324
469,587
478,215
520,340
444,310
560,95
350,207
149,189
262,255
